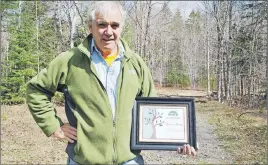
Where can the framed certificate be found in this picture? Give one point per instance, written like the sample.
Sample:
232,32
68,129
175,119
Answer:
163,123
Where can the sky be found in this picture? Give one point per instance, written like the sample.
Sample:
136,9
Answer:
185,6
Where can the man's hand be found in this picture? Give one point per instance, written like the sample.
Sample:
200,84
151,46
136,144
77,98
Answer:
187,150
66,132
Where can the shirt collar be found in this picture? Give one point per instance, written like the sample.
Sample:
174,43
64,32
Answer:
94,48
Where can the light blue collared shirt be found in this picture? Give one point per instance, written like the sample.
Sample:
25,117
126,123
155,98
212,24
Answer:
108,75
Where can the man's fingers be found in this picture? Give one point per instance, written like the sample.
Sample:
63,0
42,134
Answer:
69,139
69,127
188,149
184,150
59,134
72,128
70,131
67,134
193,151
179,150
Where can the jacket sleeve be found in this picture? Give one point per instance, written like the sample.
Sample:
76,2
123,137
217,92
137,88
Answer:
40,90
147,87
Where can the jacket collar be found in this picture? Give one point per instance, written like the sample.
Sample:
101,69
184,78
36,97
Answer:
84,47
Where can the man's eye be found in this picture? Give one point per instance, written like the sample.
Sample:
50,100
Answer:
102,25
115,25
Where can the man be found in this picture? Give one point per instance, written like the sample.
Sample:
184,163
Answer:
100,79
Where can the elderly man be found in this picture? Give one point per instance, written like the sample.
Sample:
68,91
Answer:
100,79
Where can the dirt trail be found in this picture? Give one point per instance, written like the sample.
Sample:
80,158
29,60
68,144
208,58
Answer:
23,142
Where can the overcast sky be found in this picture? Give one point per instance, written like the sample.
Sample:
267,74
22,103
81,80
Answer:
185,6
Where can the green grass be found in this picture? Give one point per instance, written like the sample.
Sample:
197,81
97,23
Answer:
245,137
3,117
202,162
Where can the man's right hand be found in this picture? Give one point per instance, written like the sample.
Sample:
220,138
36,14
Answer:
66,132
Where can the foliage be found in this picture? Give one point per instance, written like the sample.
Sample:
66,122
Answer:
202,79
79,36
176,77
174,46
25,56
20,62
128,34
193,22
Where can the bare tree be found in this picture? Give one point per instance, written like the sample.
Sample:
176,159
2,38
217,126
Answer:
37,37
71,13
208,57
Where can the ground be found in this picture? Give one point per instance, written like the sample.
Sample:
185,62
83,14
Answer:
23,142
210,148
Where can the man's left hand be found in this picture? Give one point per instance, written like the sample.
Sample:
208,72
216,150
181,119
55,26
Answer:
187,150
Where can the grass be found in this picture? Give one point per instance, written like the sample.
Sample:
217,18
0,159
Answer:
3,117
203,162
245,137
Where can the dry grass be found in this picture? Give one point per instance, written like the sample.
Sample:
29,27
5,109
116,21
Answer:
175,91
23,142
245,136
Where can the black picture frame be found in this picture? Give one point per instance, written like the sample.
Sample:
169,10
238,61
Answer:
173,120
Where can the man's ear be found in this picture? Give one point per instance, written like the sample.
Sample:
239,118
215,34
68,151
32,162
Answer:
89,27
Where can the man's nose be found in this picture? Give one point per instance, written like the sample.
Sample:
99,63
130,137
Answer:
109,30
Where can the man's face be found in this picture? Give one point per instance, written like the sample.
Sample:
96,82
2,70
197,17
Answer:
106,30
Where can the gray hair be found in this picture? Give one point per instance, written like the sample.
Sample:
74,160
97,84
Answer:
101,7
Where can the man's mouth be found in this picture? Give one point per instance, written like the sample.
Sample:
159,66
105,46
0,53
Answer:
107,40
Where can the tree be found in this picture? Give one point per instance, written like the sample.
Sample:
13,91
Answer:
25,57
21,61
154,120
193,51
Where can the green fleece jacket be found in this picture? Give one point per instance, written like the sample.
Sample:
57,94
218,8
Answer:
100,140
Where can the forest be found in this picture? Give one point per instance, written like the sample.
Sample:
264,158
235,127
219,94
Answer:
221,47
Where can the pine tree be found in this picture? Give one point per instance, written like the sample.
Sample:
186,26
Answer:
21,62
23,54
176,69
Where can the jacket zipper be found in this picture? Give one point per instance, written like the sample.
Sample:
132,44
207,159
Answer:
117,96
119,81
113,120
114,145
114,124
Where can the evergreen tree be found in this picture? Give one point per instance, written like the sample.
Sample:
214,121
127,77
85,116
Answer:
176,70
22,62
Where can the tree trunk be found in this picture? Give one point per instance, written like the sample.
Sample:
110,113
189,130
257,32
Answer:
266,57
228,92
37,39
59,16
147,29
19,20
221,72
73,30
154,132
208,63
1,71
219,66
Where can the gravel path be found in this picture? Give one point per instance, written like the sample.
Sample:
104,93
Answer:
210,149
